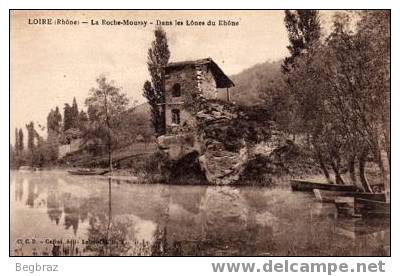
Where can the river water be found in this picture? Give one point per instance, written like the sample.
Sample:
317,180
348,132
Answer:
53,213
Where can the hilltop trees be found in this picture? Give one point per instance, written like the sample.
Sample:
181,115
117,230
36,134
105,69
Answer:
20,140
72,116
17,155
54,128
42,151
16,144
158,56
74,121
67,118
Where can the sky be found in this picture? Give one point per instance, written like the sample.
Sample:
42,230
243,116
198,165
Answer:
51,64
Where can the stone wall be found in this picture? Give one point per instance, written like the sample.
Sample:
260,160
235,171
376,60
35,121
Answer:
206,82
194,80
186,78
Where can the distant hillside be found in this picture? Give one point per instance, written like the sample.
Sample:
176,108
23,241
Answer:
139,119
143,108
250,83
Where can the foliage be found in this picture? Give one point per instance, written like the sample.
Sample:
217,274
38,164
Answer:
105,105
74,114
158,56
304,31
68,120
340,99
82,120
153,99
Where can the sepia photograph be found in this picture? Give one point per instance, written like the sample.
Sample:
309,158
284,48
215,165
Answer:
200,133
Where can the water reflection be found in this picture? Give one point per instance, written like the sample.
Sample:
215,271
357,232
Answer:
70,215
54,210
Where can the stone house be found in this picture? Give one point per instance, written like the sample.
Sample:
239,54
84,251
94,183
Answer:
186,80
203,132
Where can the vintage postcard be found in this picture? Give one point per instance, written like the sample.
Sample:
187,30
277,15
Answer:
200,133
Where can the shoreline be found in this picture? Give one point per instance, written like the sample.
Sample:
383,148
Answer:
128,177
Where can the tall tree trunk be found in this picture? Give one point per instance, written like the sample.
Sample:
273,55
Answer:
363,178
352,170
323,166
388,157
336,170
382,169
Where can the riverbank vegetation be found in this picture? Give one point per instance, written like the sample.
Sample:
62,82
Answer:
339,91
329,100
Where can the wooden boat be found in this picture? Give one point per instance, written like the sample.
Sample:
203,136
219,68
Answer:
87,172
330,196
372,208
345,206
370,196
309,186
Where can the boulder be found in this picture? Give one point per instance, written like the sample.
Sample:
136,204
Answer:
179,145
223,167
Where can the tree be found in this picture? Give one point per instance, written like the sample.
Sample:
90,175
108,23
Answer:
105,105
341,90
158,56
54,120
57,121
304,31
31,136
304,101
13,157
82,120
21,141
68,119
358,69
16,144
74,114
373,35
31,142
41,154
149,94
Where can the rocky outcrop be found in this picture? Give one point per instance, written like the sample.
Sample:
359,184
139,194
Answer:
223,167
226,139
179,145
227,135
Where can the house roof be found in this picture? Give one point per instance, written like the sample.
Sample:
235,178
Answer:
221,79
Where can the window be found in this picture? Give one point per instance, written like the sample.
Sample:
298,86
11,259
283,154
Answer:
176,116
176,90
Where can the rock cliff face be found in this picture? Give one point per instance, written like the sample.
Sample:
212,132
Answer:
224,154
226,138
223,167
